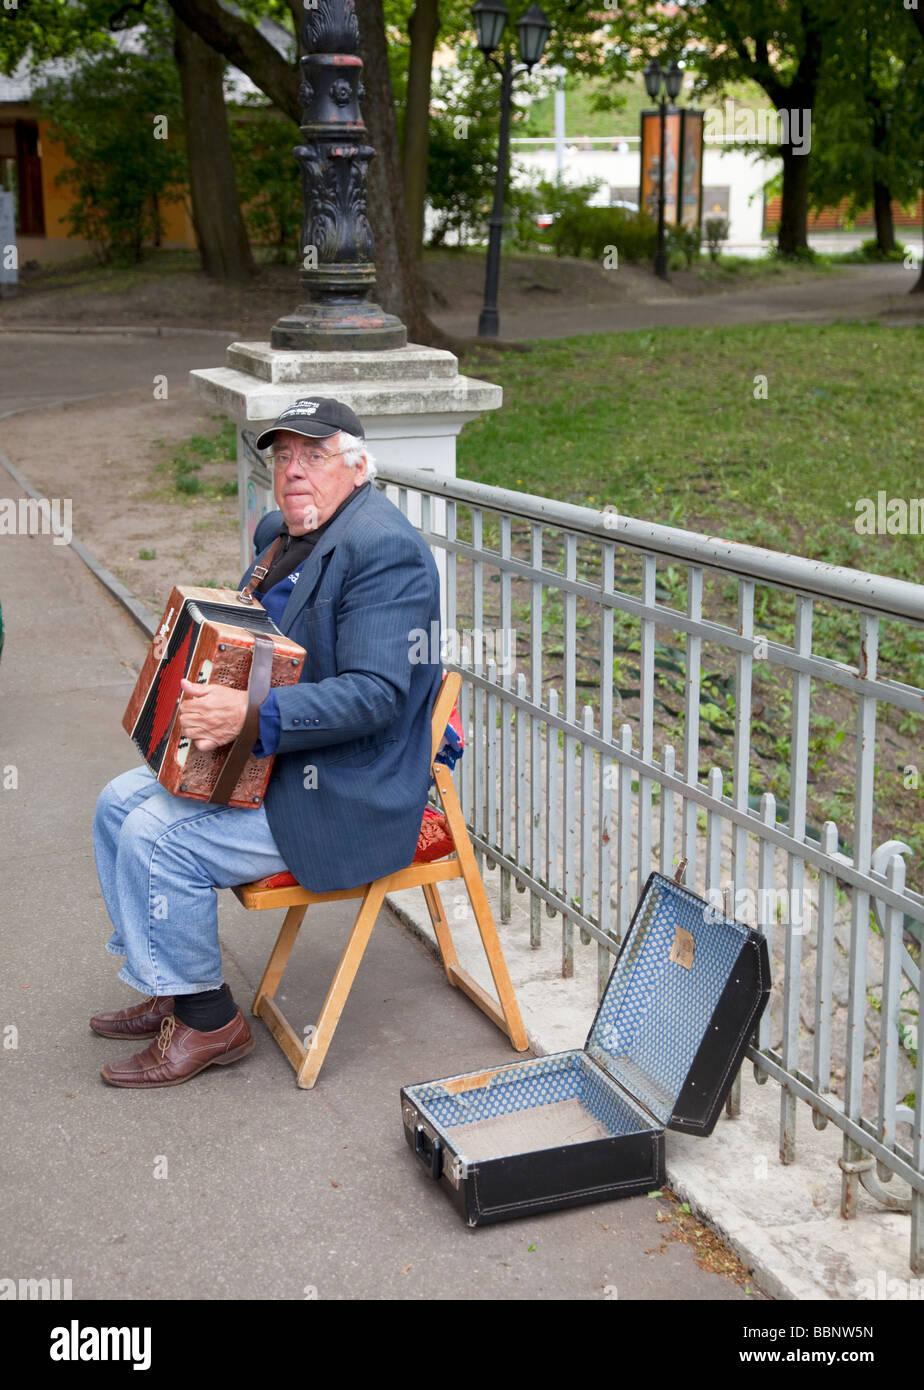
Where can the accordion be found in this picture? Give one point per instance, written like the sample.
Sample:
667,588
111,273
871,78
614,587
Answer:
208,636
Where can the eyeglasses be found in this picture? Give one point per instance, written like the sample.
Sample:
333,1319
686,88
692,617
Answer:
316,459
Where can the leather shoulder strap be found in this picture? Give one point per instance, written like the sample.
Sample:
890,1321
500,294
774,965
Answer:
260,572
261,673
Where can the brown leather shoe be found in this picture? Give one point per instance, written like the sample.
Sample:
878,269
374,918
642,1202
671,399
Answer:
141,1021
179,1053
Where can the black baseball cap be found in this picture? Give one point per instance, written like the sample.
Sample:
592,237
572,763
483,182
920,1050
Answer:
317,417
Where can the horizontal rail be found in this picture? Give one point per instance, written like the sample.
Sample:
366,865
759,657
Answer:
872,593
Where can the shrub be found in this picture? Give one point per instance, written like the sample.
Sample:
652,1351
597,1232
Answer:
869,251
589,231
268,182
548,196
716,231
685,241
113,114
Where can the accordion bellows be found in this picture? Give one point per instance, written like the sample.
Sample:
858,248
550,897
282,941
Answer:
205,635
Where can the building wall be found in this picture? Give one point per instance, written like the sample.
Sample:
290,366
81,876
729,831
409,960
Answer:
834,219
738,174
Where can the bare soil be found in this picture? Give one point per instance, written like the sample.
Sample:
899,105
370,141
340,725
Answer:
168,289
112,460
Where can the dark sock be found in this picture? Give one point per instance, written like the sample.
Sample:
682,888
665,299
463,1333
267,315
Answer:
206,1011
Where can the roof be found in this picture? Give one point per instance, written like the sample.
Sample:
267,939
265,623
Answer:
26,79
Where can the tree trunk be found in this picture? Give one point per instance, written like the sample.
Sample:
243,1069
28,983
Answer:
423,29
793,233
917,17
882,210
220,231
399,288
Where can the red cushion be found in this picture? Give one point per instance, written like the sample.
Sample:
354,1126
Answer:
434,842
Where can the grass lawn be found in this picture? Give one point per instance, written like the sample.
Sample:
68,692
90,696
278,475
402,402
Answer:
665,426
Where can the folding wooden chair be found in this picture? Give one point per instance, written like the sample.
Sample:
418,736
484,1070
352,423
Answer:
282,890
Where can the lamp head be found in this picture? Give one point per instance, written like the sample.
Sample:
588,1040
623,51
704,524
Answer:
489,17
533,30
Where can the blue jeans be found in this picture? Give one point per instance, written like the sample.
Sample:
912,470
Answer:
160,859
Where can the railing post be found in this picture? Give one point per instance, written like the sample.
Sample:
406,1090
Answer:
859,927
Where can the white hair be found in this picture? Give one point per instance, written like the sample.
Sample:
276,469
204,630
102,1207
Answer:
354,451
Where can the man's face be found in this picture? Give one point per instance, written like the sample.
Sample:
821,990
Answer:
314,482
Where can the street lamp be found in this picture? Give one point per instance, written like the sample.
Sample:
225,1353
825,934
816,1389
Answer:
533,29
673,81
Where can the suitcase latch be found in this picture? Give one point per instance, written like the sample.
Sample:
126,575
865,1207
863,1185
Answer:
429,1150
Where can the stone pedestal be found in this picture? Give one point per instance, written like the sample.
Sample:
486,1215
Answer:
411,400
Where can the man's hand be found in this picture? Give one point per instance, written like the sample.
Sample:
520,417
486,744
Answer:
214,716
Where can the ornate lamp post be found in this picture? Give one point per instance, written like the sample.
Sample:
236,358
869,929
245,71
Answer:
490,17
338,273
673,81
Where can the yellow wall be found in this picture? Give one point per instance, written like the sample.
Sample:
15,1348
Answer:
56,198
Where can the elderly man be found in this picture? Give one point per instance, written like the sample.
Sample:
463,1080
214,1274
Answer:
349,579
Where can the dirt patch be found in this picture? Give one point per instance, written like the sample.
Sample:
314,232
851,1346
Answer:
709,1252
169,289
113,461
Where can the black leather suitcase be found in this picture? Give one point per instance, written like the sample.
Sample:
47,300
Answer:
684,997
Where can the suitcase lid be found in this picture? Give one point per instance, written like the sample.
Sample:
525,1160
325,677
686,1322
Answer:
661,1010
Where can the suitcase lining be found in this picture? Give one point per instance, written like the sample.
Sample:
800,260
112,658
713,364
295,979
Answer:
528,1092
653,1063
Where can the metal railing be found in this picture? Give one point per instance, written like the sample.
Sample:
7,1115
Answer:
593,759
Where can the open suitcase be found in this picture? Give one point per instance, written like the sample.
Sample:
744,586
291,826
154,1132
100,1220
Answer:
686,992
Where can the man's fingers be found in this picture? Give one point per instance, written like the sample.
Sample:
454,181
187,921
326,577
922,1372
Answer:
189,688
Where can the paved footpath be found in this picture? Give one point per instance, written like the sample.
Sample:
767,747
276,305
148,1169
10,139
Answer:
268,1190
855,292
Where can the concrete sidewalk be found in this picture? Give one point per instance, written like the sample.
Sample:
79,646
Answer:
264,1190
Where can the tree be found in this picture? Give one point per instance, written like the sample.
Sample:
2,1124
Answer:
916,15
871,109
423,28
46,29
578,41
120,172
399,287
271,200
220,230
462,161
779,44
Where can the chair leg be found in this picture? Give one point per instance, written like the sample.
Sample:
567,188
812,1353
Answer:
441,928
279,959
483,916
341,984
